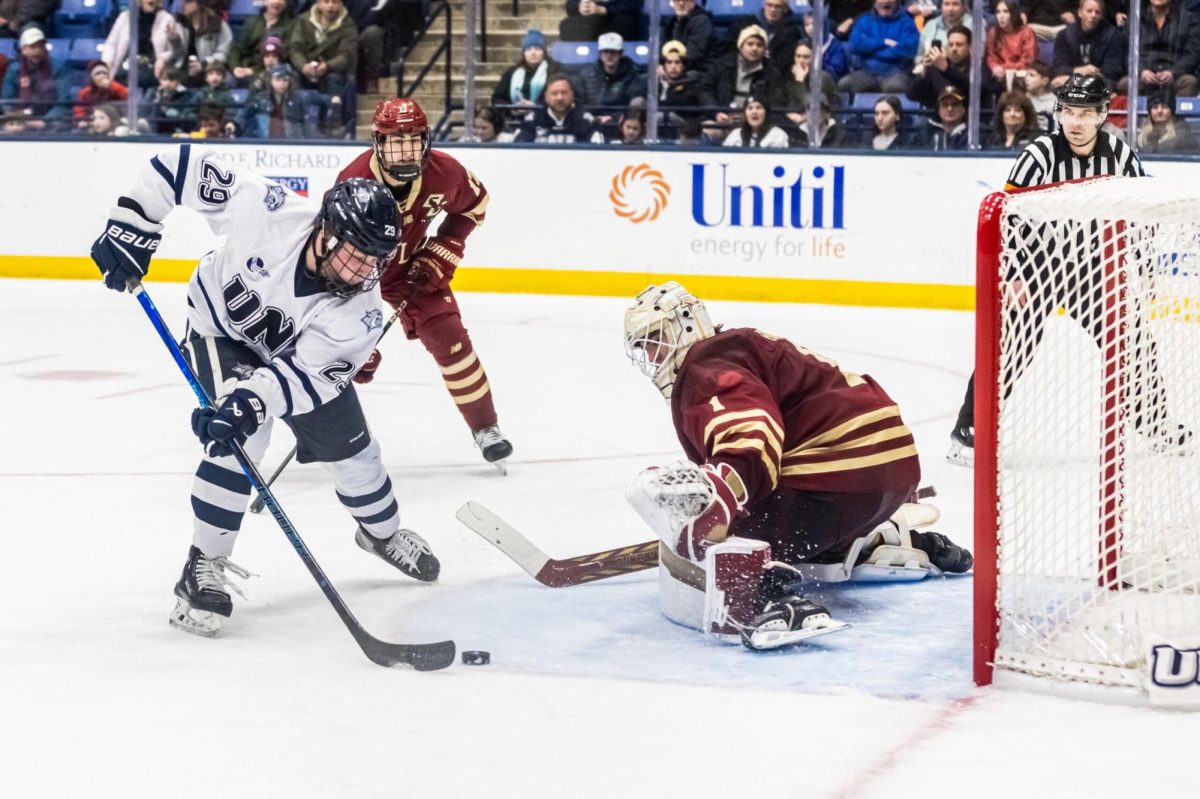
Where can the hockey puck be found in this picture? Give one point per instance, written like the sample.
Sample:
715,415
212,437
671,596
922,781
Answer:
476,657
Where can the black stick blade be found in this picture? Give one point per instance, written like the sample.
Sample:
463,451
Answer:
422,657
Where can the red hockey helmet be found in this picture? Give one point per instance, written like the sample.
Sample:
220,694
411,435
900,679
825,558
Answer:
400,137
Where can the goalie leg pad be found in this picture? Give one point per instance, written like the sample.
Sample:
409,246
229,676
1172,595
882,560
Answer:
733,574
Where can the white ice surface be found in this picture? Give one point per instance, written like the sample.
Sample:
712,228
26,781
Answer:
591,693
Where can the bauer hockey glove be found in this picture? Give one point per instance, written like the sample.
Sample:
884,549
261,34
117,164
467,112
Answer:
367,373
433,265
238,417
124,250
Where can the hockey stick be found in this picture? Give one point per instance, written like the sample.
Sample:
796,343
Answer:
257,505
556,573
422,657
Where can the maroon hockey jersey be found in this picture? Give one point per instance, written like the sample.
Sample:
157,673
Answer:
781,415
444,185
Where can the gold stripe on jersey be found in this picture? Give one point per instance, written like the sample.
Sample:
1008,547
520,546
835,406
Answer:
459,366
878,437
477,212
749,427
758,444
466,381
735,415
851,464
474,395
842,429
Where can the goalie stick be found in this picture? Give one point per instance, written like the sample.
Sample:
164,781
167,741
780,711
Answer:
422,657
556,573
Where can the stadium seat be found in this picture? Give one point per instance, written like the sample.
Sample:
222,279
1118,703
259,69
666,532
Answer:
865,100
1046,52
239,96
638,52
59,48
82,18
573,54
244,8
728,10
8,48
84,50
1187,106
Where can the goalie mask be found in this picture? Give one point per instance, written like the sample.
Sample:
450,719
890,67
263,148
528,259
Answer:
400,138
660,326
358,228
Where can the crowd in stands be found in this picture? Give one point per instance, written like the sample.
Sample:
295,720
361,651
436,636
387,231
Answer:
198,68
895,75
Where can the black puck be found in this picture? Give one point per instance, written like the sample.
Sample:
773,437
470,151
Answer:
476,657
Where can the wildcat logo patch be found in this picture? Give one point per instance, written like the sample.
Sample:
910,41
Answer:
373,319
275,197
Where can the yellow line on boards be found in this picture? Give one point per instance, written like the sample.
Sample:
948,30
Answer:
589,283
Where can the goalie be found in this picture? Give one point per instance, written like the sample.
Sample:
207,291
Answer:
799,470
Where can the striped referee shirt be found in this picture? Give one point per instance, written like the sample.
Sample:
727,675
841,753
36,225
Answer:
1049,159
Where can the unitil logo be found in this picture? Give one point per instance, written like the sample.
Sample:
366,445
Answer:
639,193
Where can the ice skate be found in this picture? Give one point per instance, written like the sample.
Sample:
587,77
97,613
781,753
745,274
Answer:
943,553
201,599
962,446
405,550
788,620
495,447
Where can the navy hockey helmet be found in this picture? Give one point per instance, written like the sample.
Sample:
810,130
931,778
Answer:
359,227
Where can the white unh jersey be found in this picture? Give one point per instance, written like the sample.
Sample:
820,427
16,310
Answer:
254,288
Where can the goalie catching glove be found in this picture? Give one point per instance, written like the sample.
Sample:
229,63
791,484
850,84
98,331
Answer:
236,419
689,507
124,249
432,266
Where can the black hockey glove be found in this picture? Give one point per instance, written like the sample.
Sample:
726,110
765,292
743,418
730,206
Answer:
237,419
124,250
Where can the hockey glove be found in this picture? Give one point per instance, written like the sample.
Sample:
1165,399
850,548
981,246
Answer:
238,417
367,373
433,265
124,250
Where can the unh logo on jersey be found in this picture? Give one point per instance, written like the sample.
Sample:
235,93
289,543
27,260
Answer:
1174,668
256,265
275,197
373,319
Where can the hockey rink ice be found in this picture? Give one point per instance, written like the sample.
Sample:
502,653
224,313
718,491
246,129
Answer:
590,692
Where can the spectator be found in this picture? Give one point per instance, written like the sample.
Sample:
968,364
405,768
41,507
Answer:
323,47
948,67
1090,46
273,52
954,13
632,127
211,124
843,13
948,131
13,124
1170,50
1047,18
587,19
833,52
15,15
1015,123
158,44
796,83
741,74
611,80
693,27
690,131
279,111
491,127
383,25
275,20
757,129
523,83
1163,132
833,133
1037,89
885,41
559,121
1011,46
214,91
35,85
776,18
106,120
101,88
889,117
172,109
679,87
204,36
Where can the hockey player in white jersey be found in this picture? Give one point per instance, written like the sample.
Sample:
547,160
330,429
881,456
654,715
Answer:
280,317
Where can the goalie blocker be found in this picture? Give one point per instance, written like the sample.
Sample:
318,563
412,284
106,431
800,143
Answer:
799,470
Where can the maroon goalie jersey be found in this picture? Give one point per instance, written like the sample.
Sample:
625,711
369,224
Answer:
444,185
781,415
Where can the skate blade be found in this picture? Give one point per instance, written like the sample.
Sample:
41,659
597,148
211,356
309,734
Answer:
197,622
961,456
766,639
501,466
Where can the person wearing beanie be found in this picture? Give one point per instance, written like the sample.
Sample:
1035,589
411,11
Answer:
524,82
742,74
679,87
101,88
781,26
1163,132
757,129
274,21
586,20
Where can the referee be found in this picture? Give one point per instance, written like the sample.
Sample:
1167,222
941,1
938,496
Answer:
1078,148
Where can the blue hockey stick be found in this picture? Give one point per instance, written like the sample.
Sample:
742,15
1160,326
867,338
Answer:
423,657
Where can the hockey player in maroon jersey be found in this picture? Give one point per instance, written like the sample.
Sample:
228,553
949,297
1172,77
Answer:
798,470
425,183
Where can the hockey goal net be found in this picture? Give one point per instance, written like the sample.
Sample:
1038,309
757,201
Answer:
1087,484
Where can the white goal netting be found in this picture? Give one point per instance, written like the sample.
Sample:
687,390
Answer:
1097,470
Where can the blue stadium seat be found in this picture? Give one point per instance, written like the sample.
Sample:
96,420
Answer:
82,18
638,52
244,8
573,53
84,50
866,100
239,95
727,10
8,47
85,8
664,6
1046,52
1187,106
59,48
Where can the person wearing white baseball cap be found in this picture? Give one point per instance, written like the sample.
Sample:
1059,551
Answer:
34,85
611,82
